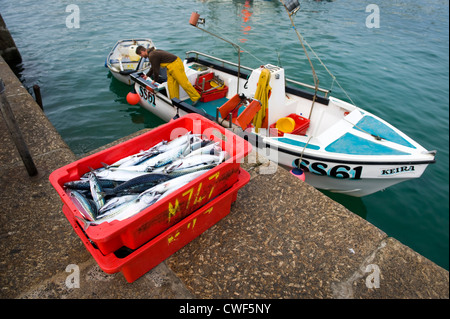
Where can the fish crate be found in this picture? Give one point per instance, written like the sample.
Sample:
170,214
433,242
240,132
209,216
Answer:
134,264
206,89
150,222
300,128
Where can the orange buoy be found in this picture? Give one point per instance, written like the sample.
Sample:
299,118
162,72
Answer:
194,18
133,98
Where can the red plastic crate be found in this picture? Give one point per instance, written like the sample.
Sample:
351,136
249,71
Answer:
146,257
214,94
206,78
301,125
207,92
140,228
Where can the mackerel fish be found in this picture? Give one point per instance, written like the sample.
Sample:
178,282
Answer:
96,191
139,184
124,211
88,210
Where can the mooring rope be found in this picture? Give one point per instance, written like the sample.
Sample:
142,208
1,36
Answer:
329,72
303,43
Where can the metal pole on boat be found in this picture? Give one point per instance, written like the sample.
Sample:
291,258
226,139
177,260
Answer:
195,20
292,6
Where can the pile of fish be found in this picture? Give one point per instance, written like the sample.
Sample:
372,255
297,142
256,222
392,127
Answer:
122,189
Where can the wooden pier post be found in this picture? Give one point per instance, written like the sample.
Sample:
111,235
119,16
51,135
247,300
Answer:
15,132
37,94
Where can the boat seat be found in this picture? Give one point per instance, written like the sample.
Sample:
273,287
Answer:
232,107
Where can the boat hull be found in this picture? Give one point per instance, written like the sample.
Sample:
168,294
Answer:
157,104
354,178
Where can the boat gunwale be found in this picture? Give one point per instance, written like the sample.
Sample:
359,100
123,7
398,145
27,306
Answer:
346,161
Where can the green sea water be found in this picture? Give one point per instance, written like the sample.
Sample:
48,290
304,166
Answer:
398,70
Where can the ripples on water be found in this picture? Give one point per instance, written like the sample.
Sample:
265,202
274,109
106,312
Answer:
399,72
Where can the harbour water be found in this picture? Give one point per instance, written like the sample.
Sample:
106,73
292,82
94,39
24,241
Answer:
397,69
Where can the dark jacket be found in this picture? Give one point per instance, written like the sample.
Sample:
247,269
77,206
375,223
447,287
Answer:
156,57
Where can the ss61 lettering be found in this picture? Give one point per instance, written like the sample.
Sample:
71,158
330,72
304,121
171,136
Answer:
323,169
147,95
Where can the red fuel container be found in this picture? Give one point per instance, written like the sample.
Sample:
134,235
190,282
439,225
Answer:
149,255
140,228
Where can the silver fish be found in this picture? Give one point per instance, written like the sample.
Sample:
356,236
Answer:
177,142
183,180
142,201
193,169
96,191
85,185
138,184
132,168
174,183
118,174
139,157
83,205
159,160
192,161
115,202
211,149
126,210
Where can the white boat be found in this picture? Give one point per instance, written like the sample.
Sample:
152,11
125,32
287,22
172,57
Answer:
341,148
123,60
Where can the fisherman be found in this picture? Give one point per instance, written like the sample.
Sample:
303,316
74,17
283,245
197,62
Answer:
175,71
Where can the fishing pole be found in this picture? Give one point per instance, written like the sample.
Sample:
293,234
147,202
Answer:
195,20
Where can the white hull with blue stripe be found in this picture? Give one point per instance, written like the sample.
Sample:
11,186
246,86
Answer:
345,149
347,158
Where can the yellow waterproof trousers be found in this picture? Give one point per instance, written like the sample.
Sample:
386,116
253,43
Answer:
262,94
175,77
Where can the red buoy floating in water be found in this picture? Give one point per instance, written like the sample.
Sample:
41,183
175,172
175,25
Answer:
133,98
298,172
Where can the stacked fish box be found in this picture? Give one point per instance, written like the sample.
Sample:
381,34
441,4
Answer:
178,202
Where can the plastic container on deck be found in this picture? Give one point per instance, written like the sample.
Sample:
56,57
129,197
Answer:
207,91
301,125
143,259
140,228
285,124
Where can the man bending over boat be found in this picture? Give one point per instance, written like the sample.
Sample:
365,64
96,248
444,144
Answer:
175,71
